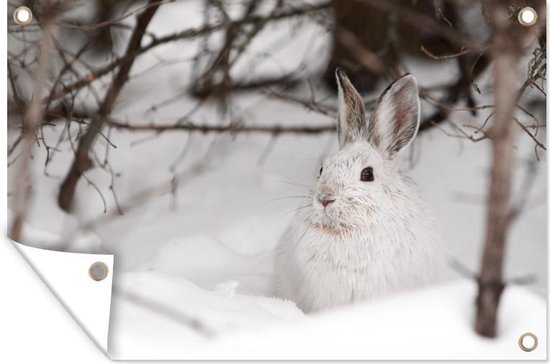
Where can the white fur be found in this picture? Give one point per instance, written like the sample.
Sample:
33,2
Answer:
398,105
376,237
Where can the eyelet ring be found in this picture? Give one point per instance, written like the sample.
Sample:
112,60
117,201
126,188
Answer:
527,16
22,15
525,346
98,271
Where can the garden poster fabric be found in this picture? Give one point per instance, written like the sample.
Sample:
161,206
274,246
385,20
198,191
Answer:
168,161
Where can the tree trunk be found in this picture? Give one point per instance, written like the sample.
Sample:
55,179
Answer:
506,52
30,126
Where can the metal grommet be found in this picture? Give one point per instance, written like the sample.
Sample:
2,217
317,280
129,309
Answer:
22,15
98,271
528,342
527,16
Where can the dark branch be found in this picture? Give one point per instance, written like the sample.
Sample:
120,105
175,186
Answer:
82,161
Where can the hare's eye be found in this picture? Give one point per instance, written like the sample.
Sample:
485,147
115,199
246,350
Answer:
320,171
367,174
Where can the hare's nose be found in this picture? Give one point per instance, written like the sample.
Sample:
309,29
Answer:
326,201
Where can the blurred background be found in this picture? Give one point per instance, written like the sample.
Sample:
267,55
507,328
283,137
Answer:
182,136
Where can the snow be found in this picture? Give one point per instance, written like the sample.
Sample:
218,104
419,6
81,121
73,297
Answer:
428,324
207,262
204,253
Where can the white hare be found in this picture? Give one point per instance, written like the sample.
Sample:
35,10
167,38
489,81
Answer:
366,231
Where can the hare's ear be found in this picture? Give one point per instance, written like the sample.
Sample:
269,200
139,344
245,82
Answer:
394,123
351,111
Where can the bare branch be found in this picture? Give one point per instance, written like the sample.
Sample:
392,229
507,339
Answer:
31,123
232,129
446,56
82,161
185,34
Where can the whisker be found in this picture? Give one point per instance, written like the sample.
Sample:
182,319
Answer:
301,237
290,180
294,210
318,149
285,198
298,184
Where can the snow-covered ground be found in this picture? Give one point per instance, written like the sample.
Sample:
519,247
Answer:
205,252
433,323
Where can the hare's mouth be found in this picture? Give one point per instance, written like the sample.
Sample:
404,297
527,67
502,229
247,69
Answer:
327,220
331,226
329,223
331,216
